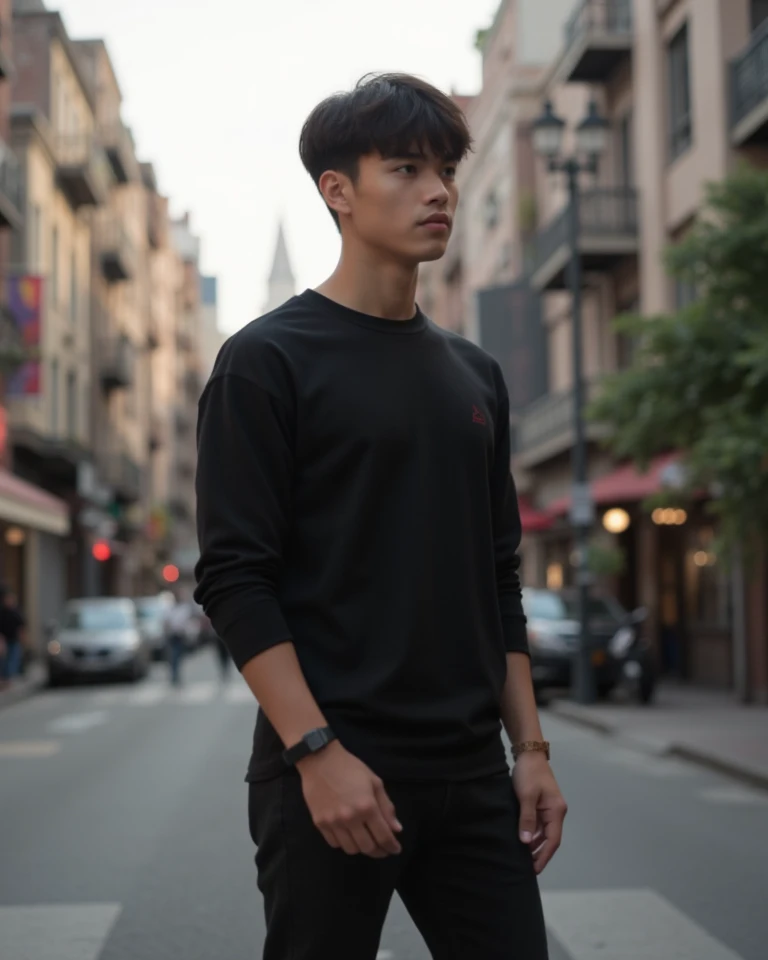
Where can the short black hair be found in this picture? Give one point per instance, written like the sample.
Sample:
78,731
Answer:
386,113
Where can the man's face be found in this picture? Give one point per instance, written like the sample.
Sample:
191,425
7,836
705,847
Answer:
404,206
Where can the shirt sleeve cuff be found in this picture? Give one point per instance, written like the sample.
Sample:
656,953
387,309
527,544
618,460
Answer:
250,629
515,634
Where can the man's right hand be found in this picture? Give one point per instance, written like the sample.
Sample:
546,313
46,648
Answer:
348,803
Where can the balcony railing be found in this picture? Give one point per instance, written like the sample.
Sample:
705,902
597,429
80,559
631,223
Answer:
116,250
82,170
598,37
123,474
749,91
156,221
546,426
120,151
10,188
608,231
117,363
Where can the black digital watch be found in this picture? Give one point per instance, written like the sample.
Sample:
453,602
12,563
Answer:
310,743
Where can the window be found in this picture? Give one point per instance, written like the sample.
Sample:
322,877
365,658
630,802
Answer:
55,397
678,69
55,266
71,404
73,289
35,236
758,13
625,160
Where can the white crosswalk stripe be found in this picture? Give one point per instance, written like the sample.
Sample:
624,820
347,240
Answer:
627,925
202,691
736,796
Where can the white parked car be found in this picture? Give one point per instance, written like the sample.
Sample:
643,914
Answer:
98,636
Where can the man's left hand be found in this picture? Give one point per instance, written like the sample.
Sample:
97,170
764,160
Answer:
542,807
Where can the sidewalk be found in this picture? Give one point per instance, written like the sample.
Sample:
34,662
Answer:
34,678
705,727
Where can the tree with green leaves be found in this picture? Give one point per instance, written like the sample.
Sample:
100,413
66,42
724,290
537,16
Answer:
699,377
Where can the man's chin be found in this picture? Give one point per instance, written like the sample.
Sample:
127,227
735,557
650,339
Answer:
434,253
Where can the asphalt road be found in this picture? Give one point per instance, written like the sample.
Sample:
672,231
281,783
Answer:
123,837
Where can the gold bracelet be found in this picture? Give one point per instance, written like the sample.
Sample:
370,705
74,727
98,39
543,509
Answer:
530,746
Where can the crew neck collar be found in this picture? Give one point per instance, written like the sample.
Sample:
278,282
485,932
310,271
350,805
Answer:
416,324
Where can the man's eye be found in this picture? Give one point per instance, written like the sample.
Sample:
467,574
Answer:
450,172
407,168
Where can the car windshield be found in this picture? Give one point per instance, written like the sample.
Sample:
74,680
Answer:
101,616
149,609
546,605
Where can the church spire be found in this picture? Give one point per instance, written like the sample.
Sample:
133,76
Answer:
282,283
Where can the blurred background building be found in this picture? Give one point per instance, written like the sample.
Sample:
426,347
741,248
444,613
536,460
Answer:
683,86
107,331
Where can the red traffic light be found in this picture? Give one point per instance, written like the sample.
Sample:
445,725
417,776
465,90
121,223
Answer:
101,550
170,573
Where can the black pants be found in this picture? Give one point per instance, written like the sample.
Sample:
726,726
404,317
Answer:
463,874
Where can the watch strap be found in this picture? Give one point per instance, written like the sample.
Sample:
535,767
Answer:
310,743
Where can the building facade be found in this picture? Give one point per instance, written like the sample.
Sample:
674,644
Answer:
680,84
188,387
65,178
211,337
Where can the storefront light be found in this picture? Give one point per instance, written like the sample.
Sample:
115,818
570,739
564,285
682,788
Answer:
616,520
554,576
701,558
667,517
15,536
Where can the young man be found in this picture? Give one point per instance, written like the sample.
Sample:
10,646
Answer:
359,532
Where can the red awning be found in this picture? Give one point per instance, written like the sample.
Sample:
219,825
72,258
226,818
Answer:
531,518
625,484
28,505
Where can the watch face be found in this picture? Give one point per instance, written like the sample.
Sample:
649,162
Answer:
316,739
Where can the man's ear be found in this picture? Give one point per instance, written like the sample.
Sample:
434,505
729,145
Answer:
335,188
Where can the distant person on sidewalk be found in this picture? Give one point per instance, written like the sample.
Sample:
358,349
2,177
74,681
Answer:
12,626
178,624
359,532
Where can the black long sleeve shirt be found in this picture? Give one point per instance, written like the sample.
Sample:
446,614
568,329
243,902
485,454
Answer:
355,498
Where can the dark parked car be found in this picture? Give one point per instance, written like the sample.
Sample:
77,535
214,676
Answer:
619,652
97,637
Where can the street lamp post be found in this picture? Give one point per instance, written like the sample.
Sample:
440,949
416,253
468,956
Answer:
591,135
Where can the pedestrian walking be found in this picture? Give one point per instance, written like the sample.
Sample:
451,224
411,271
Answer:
359,533
12,627
177,630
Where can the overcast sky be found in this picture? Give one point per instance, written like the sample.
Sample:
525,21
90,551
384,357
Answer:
216,91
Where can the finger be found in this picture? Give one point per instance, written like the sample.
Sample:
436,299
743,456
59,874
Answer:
330,837
543,855
362,838
386,806
528,817
346,840
382,834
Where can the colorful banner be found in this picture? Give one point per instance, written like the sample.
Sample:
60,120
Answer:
25,302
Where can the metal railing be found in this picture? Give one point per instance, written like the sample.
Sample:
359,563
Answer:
124,474
112,239
550,417
80,151
117,362
604,211
10,175
749,76
612,17
119,146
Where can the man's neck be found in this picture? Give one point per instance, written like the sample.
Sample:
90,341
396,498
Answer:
386,290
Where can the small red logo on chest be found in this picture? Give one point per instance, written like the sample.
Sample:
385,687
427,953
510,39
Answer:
478,416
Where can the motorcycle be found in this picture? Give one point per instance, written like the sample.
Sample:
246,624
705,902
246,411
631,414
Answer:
636,668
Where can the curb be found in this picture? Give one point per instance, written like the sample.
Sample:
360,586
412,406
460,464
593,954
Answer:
22,691
681,751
